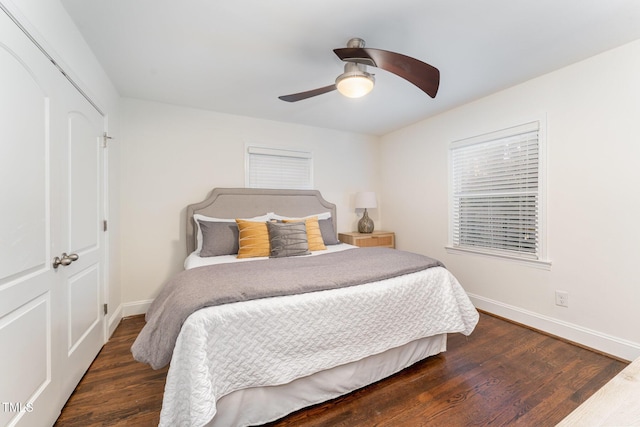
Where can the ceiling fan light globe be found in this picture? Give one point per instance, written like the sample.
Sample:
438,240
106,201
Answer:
355,86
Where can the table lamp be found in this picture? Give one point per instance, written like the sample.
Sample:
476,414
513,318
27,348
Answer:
364,200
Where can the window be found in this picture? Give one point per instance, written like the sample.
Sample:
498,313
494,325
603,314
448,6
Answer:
496,193
278,168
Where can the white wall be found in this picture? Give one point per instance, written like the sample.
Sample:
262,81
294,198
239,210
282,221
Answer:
174,156
49,23
593,202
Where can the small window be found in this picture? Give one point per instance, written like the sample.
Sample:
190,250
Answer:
496,193
278,168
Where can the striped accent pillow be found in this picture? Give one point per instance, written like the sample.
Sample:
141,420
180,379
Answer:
288,239
314,236
253,239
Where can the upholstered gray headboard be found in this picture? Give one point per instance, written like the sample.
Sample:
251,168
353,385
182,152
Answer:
250,202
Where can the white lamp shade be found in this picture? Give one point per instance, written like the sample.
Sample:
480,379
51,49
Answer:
355,82
355,86
366,199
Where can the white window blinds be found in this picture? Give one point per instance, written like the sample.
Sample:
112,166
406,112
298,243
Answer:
279,168
495,192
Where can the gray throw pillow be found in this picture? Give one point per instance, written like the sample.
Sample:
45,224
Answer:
328,232
219,238
288,239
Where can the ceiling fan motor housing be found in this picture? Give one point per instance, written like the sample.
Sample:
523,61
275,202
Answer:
355,42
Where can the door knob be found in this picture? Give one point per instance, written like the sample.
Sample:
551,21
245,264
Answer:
64,260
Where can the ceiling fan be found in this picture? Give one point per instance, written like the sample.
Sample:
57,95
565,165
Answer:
356,81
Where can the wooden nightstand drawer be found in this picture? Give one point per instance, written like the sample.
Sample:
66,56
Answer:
385,239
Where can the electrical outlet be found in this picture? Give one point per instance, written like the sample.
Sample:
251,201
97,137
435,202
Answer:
562,298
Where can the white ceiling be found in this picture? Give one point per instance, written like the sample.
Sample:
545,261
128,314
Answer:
238,56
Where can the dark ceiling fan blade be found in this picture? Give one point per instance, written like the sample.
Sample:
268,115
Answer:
308,94
421,74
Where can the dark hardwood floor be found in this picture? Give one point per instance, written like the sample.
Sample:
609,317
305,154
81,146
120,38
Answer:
503,374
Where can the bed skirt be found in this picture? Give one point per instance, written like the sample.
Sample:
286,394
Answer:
260,405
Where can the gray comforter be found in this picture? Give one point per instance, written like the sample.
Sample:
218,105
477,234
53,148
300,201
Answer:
202,287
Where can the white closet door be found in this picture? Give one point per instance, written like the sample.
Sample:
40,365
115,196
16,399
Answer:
50,203
83,213
29,286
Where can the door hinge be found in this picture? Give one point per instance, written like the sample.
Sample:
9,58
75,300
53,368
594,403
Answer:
105,138
106,309
104,225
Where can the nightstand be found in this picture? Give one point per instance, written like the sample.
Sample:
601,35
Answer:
386,239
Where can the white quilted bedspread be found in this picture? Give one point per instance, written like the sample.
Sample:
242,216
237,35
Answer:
272,341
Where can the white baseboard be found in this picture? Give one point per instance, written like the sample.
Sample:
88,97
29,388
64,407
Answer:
135,307
608,344
114,321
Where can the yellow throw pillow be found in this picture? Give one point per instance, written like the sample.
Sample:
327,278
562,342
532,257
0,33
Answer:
253,239
314,236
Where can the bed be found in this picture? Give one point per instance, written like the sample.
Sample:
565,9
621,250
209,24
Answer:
295,341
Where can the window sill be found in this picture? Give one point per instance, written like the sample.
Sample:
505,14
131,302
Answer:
545,265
